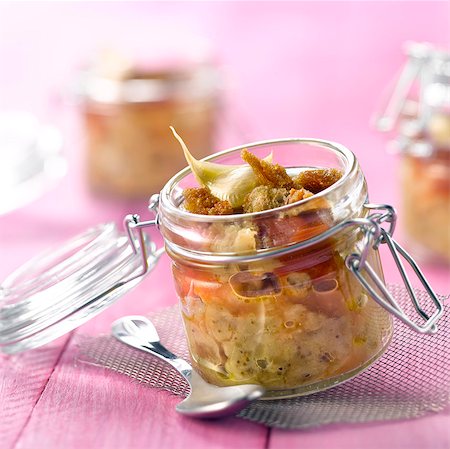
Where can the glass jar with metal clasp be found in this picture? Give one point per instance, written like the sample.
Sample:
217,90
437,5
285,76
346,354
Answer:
304,310
419,112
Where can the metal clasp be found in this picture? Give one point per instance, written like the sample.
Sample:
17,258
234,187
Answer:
134,228
418,56
426,67
357,263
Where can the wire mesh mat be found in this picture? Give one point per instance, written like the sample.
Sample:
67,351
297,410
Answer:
410,380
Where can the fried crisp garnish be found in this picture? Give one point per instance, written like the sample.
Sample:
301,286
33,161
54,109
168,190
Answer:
226,182
202,201
298,195
272,175
317,180
265,198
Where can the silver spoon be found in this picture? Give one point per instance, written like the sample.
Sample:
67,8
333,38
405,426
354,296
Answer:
204,400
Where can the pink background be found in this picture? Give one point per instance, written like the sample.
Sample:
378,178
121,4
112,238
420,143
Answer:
306,69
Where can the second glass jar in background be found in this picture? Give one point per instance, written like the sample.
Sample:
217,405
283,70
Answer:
127,112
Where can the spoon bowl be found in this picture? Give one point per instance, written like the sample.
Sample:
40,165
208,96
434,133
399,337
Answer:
204,400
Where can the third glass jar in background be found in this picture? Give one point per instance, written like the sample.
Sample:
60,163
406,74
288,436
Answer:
420,110
425,184
127,109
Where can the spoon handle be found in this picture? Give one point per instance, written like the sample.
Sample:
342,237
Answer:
160,351
139,333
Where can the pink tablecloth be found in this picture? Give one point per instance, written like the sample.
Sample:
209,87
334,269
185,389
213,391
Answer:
292,69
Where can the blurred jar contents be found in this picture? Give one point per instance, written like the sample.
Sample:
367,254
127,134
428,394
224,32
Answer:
127,111
420,111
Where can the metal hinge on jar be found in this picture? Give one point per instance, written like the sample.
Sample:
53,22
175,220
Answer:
374,236
134,228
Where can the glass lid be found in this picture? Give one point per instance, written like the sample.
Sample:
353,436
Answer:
61,289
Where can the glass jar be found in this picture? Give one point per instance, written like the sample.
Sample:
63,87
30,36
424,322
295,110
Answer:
291,298
291,319
425,184
130,151
270,297
420,111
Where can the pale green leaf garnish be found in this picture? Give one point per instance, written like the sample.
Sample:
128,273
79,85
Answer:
227,182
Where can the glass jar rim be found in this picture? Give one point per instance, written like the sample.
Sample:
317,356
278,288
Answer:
348,156
196,82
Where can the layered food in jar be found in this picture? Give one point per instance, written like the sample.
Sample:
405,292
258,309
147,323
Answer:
293,321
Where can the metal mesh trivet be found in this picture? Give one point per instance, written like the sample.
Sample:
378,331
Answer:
410,380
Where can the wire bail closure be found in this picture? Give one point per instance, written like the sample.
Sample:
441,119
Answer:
134,228
418,67
374,236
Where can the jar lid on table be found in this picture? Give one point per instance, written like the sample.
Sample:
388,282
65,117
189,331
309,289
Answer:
59,290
